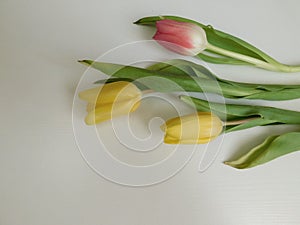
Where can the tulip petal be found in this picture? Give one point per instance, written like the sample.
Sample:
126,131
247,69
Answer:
105,112
110,100
187,38
120,91
192,129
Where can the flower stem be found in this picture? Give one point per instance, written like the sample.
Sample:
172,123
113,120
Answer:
254,61
238,122
288,68
276,66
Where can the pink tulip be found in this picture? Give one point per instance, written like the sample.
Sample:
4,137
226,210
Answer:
181,37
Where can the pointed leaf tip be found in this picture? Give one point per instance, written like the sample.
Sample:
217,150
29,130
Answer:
136,22
85,62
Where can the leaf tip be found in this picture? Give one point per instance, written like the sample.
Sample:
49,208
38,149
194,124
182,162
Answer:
137,22
232,164
227,163
85,62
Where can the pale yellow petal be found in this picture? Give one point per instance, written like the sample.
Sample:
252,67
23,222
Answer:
109,93
105,112
192,129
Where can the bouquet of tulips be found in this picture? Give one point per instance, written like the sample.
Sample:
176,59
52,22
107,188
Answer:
122,92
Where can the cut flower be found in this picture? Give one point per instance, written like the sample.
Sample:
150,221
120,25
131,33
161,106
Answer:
181,37
110,100
198,128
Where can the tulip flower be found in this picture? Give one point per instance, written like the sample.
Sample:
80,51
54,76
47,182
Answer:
110,100
192,129
189,37
181,37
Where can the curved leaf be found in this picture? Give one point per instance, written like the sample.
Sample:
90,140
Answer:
272,148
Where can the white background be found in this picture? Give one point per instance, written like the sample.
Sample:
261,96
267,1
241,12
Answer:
43,178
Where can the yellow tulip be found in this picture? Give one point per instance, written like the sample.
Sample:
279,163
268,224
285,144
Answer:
192,129
110,100
107,93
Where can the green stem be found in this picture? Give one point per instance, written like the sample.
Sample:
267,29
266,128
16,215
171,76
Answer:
288,68
275,66
248,59
238,122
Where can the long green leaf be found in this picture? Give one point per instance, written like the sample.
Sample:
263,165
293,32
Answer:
258,91
159,81
192,77
182,67
272,148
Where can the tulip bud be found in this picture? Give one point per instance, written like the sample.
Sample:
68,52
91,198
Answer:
192,129
110,100
181,37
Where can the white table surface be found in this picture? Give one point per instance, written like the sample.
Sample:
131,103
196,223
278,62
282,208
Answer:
43,178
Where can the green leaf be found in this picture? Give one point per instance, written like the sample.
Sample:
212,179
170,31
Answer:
264,91
116,79
272,148
171,67
111,80
224,41
255,115
157,80
182,67
191,77
232,89
283,94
